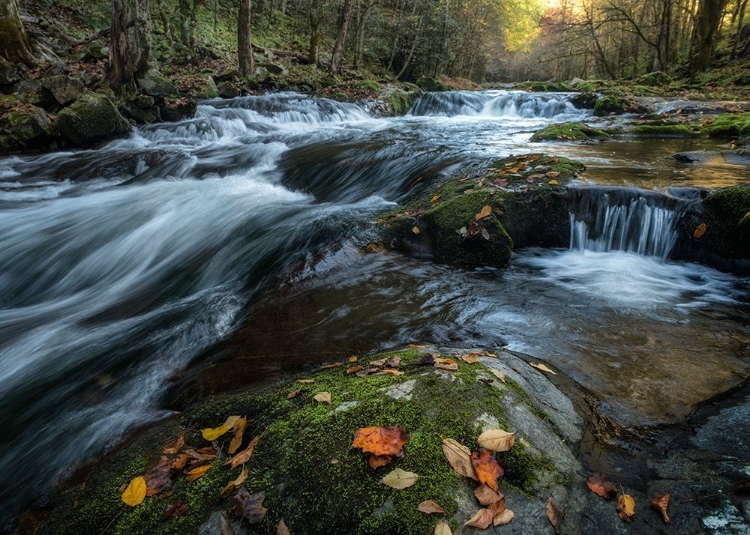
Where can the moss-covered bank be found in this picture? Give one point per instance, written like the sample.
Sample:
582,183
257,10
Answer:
303,461
568,132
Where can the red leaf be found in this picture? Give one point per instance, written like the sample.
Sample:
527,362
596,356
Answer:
486,467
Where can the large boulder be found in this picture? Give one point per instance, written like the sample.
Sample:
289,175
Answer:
425,83
155,84
91,118
64,89
568,132
227,90
612,105
27,127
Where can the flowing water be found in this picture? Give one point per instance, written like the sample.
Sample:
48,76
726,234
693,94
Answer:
121,265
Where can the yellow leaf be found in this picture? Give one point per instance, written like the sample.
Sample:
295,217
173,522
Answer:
323,397
196,473
497,440
400,479
351,359
700,230
485,212
415,230
626,507
435,199
239,431
212,434
553,183
135,492
234,484
542,367
442,529
393,372
746,216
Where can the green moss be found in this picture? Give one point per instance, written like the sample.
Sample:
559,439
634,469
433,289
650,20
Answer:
568,132
664,130
400,102
304,463
370,85
545,86
92,117
652,79
425,83
611,104
729,125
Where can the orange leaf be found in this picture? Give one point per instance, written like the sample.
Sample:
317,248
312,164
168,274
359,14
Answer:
487,468
660,503
197,473
293,394
485,212
470,359
179,462
353,369
602,486
388,440
331,366
239,431
378,461
626,507
243,456
175,446
700,230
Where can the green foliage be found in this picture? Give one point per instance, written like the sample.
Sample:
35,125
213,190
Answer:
729,125
568,132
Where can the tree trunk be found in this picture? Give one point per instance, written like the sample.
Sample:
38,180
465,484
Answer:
14,43
187,23
244,42
314,32
707,22
130,42
338,48
164,19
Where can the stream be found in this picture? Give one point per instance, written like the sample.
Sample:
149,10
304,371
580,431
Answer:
234,238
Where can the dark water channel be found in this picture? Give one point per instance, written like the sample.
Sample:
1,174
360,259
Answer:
120,266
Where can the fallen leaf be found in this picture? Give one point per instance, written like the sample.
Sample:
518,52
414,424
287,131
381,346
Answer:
700,230
282,529
554,514
661,503
486,496
179,462
293,394
377,363
553,183
429,507
486,211
533,157
503,518
415,230
197,473
352,360
626,507
174,510
443,529
243,456
175,446
552,174
365,373
497,373
459,457
497,440
471,359
305,381
446,364
388,440
400,479
239,431
135,492
393,362
481,520
353,369
542,367
522,157
486,467
485,234
249,506
159,477
212,433
745,217
601,485
379,461
435,199
323,397
391,371
428,359
330,366
234,484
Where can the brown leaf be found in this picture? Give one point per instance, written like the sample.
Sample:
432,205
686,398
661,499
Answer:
176,446
446,364
243,456
249,506
430,507
179,462
661,503
742,486
553,174
470,359
377,363
159,477
486,467
602,486
282,529
365,373
503,518
197,473
542,367
442,529
700,230
388,440
353,369
239,431
497,440
293,394
393,362
555,515
486,211
497,373
391,371
330,366
234,484
486,496
175,510
626,507
481,520
428,359
459,457
323,397
378,461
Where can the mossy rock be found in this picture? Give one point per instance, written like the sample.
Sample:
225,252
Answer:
370,85
653,79
399,101
425,83
612,104
199,86
664,131
304,462
568,132
546,87
29,128
729,125
585,100
91,118
178,108
155,84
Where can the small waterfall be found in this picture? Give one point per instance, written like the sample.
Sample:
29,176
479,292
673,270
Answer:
624,219
498,104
